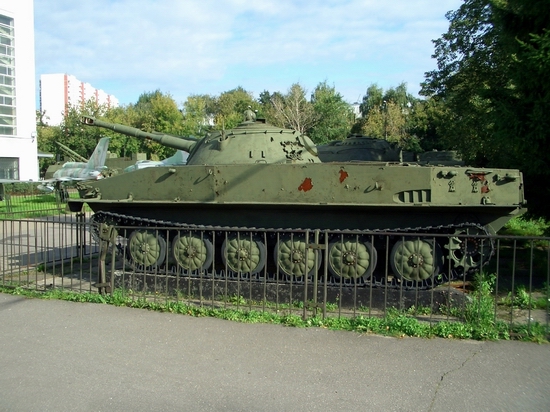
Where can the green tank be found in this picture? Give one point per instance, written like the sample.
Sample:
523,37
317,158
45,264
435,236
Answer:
258,199
359,148
363,148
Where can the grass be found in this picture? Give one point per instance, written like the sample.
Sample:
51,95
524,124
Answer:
33,204
522,226
477,318
27,206
237,300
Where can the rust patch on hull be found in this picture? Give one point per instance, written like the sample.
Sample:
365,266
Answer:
306,185
343,175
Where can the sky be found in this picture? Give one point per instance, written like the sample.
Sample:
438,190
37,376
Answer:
188,47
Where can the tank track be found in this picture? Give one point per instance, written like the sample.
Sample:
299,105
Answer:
456,272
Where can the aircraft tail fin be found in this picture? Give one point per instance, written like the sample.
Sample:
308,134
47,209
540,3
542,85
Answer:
97,160
179,158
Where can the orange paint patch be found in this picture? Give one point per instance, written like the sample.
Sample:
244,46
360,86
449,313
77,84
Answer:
306,185
343,175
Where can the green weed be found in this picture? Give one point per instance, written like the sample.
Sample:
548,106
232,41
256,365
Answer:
522,299
418,311
481,306
521,226
237,300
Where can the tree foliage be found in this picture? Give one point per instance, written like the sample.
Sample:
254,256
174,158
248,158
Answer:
198,114
493,77
230,106
324,117
391,115
292,110
159,112
333,115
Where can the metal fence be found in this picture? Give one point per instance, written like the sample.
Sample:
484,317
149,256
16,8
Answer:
33,199
307,273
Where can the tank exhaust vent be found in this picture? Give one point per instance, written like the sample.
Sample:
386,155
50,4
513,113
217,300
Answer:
413,196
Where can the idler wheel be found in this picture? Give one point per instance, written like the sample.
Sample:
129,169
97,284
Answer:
146,248
469,252
350,257
416,259
292,256
192,251
243,253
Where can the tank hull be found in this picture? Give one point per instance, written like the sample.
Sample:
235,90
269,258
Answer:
317,196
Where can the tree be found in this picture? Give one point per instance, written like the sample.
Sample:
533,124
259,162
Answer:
264,99
333,115
373,99
493,68
428,119
230,106
120,144
267,109
46,140
155,111
390,115
73,134
159,112
198,114
292,110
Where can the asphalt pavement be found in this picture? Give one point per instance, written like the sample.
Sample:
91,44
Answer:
63,356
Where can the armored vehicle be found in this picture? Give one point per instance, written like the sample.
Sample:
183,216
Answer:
276,204
363,148
441,157
359,148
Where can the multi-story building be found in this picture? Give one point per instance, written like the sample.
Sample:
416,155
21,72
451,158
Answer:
18,145
59,91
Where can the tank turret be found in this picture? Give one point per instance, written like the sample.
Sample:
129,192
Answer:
252,141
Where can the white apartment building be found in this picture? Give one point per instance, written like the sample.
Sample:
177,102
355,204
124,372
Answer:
18,143
59,91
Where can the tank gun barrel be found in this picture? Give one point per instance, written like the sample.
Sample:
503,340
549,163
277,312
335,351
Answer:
177,142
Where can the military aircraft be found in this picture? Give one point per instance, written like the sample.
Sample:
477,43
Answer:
77,171
179,158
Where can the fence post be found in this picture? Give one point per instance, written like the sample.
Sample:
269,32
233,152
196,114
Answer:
5,196
81,234
107,235
316,273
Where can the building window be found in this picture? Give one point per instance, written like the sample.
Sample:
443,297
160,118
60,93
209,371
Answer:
7,77
9,168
